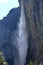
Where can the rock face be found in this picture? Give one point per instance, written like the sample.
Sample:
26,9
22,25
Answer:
7,26
34,19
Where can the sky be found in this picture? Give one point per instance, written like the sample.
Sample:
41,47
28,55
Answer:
6,6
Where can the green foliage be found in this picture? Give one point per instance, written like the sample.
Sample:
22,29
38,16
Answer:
31,63
2,60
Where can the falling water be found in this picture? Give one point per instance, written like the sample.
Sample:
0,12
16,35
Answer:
22,39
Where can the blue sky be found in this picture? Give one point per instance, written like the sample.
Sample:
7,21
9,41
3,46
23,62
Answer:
6,5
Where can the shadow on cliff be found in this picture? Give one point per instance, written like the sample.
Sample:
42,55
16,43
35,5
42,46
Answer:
7,25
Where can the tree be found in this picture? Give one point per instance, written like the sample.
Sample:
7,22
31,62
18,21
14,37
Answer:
2,60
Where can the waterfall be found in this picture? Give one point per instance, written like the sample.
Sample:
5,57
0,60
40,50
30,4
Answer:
22,38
